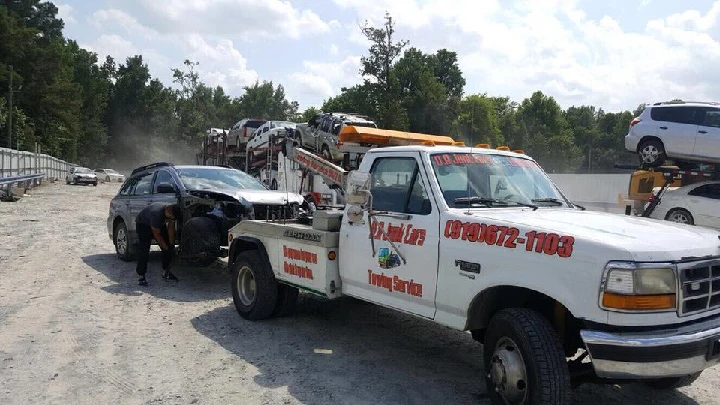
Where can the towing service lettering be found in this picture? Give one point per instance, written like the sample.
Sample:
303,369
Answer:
298,255
395,284
509,237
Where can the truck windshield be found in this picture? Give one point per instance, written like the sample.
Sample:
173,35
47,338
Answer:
214,178
476,179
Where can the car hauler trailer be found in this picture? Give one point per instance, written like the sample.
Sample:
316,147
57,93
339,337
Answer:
481,240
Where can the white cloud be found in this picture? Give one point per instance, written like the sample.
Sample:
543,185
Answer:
321,80
111,18
250,20
334,50
65,12
221,64
114,45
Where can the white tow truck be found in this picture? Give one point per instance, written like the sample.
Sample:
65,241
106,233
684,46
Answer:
481,240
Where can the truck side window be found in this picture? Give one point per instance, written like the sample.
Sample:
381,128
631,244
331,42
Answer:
397,186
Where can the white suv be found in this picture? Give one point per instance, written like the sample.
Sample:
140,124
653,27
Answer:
685,131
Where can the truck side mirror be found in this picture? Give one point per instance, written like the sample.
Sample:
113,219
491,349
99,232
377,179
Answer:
358,189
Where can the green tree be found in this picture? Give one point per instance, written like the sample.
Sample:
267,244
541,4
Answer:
477,121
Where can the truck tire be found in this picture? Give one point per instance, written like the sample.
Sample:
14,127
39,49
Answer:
651,153
254,288
286,300
525,362
200,241
124,249
672,383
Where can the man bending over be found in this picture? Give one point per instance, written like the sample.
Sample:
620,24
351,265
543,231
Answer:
156,221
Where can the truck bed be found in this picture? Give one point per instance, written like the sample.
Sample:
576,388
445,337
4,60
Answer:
299,255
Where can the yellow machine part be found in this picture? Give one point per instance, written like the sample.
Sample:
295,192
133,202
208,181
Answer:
642,182
388,137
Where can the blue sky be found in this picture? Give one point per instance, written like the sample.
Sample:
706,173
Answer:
612,54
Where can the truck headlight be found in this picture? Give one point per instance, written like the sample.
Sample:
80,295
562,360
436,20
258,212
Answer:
639,287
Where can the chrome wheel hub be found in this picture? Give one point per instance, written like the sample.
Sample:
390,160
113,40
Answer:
679,217
508,373
121,241
649,153
246,286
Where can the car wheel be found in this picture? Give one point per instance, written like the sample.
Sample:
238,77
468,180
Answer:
326,153
95,184
123,248
672,383
67,181
651,153
254,288
524,360
107,179
680,215
200,241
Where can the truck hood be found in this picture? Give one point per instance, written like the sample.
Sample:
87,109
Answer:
643,239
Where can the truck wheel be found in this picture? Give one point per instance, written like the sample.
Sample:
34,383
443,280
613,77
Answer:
524,360
124,249
651,153
200,241
254,288
286,300
672,383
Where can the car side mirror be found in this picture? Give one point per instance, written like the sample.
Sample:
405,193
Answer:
358,189
165,188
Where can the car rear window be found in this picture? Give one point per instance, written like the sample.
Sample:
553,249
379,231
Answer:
681,115
254,123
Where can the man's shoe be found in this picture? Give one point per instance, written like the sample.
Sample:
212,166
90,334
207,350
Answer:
169,276
142,281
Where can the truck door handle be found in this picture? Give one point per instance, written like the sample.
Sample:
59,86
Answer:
702,131
663,127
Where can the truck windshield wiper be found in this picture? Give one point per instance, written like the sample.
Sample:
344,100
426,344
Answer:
492,201
557,201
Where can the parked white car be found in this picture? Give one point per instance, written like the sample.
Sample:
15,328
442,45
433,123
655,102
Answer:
109,175
80,175
261,137
694,204
686,131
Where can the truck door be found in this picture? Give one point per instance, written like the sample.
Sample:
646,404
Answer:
403,276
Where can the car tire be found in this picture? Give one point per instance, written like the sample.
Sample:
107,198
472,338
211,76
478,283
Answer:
680,215
651,153
524,360
95,184
672,383
107,179
254,288
200,241
124,249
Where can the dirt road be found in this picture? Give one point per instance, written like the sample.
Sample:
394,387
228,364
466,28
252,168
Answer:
75,328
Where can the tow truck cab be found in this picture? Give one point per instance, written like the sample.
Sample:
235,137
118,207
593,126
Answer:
481,240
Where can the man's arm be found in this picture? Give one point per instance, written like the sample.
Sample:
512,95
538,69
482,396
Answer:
171,233
160,240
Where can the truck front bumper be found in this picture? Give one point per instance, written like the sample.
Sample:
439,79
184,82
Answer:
654,354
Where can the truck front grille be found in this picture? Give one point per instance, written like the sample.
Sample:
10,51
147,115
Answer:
699,287
273,212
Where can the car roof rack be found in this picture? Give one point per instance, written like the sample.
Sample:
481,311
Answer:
151,166
686,102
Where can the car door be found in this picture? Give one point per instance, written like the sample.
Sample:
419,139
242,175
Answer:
677,128
702,203
707,142
141,195
164,177
396,263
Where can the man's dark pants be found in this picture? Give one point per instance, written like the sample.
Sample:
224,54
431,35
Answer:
145,237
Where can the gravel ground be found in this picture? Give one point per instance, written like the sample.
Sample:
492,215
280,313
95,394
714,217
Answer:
75,328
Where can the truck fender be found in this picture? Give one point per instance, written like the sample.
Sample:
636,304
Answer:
244,243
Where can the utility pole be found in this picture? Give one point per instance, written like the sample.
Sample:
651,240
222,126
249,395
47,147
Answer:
10,107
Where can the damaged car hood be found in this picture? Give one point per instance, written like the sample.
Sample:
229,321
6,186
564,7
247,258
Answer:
265,197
